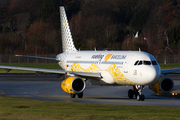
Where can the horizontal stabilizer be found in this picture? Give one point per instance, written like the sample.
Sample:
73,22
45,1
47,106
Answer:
36,57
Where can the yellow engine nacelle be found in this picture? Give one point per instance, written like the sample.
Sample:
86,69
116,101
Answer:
73,85
163,85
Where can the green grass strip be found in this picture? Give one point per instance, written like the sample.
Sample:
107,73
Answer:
169,66
13,108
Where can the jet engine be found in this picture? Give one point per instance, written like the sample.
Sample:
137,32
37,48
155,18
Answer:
163,85
73,85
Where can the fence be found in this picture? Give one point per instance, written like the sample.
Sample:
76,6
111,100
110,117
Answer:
161,58
167,58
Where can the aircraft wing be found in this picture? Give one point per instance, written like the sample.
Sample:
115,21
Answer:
169,71
47,58
8,68
96,76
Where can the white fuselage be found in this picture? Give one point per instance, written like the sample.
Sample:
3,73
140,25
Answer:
116,67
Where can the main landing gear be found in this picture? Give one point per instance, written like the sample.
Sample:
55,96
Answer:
80,95
137,91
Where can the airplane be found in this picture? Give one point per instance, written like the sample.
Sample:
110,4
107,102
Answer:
106,68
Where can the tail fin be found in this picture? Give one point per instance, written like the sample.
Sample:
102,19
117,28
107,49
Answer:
67,41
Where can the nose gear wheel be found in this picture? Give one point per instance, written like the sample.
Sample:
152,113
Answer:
137,91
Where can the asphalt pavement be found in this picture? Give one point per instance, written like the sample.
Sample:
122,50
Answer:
47,87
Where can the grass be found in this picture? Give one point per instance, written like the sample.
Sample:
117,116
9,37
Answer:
13,108
169,66
56,66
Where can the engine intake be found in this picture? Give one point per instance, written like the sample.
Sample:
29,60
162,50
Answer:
163,85
73,85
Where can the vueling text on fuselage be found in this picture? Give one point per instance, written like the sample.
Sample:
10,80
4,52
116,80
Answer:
119,57
112,57
97,56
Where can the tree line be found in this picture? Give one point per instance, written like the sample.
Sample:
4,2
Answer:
33,27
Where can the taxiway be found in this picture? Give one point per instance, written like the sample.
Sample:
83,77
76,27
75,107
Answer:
47,87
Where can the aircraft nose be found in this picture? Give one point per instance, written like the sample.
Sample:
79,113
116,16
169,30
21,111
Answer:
153,74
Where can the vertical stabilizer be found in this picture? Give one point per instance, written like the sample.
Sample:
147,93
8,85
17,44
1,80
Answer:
67,41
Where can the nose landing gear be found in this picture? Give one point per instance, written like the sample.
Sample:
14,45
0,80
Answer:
137,91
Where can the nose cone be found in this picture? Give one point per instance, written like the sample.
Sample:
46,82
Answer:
153,74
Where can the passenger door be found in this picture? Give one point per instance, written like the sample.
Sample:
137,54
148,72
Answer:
126,63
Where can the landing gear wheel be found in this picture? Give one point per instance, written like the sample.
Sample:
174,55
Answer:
80,95
140,97
130,93
72,95
137,91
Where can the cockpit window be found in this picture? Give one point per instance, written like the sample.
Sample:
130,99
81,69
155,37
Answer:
140,63
147,62
136,62
154,62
